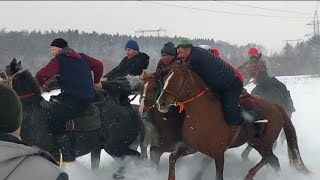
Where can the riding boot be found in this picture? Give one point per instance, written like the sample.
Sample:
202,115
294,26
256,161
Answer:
251,116
65,143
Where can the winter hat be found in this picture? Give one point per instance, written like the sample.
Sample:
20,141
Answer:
216,52
185,43
253,51
10,109
132,44
60,43
168,48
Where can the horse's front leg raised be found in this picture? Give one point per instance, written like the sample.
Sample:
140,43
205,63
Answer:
180,151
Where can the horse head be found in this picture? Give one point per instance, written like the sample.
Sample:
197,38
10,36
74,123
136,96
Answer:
181,85
249,68
149,88
20,80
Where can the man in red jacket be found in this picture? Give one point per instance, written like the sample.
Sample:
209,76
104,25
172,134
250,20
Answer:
77,89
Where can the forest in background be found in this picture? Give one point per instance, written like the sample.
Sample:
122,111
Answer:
32,48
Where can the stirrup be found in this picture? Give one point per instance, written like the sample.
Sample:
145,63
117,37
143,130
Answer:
261,121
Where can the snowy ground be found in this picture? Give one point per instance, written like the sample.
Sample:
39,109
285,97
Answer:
304,91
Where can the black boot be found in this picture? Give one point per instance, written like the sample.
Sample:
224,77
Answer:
65,143
251,116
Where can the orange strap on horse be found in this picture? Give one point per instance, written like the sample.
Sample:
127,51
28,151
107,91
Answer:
181,104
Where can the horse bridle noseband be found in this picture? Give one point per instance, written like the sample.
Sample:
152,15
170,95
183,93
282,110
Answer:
9,81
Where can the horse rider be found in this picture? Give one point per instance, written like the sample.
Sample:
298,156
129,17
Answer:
77,89
18,160
253,54
221,78
132,64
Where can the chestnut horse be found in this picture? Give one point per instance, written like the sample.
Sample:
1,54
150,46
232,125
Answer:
168,124
205,130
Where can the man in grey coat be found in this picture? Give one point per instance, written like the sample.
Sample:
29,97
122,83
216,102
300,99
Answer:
17,159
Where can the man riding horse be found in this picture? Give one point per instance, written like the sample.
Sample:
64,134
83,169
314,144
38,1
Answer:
262,64
77,89
221,78
133,64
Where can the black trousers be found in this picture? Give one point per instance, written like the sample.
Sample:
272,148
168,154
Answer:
65,107
230,100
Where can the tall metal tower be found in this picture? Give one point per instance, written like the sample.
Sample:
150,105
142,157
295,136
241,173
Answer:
315,24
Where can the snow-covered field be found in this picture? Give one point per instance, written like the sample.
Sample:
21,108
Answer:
304,91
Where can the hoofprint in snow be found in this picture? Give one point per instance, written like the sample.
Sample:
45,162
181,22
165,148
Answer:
306,98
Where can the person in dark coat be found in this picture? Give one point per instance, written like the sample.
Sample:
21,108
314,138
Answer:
18,160
77,89
133,64
221,78
168,58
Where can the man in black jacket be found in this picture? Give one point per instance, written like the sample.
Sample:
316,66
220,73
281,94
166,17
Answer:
133,64
220,78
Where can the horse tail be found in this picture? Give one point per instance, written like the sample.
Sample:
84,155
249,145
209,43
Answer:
151,135
292,143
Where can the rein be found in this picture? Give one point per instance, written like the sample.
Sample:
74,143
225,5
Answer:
257,69
9,80
181,104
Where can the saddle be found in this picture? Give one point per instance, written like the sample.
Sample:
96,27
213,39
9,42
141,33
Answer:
90,121
247,101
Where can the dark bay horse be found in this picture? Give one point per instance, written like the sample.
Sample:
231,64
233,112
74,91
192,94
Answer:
119,128
205,130
168,125
265,88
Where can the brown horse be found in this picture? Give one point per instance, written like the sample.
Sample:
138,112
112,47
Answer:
168,124
205,130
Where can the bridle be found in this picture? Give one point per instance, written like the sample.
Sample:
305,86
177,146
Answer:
9,80
181,104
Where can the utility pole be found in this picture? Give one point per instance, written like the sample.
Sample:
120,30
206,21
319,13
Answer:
152,31
315,35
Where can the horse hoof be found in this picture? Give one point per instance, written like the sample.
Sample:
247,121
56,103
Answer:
117,176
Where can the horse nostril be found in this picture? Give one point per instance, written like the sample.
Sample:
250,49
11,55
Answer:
163,104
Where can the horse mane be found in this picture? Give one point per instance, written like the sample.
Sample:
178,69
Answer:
32,80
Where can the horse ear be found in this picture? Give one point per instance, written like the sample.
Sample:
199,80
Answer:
259,56
18,66
14,61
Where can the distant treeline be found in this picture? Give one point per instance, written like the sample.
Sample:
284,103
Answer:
32,48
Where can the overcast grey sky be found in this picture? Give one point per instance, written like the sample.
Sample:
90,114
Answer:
127,16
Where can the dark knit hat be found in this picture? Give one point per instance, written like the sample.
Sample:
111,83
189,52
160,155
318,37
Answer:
60,43
132,44
168,48
185,43
10,109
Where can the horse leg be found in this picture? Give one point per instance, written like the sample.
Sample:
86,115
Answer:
219,161
174,156
205,162
95,158
246,152
155,155
253,171
274,163
143,146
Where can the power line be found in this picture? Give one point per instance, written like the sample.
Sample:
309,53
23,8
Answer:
224,12
256,7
